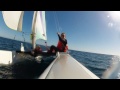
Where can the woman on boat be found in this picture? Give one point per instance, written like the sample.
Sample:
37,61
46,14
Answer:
61,46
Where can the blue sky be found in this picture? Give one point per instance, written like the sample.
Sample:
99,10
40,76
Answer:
91,31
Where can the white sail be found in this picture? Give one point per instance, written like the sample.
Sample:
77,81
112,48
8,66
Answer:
13,19
39,25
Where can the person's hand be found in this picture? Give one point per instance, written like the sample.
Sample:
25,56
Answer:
58,33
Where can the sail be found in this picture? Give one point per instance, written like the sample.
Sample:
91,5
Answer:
39,25
13,19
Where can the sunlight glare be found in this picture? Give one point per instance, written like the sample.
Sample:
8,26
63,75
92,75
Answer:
115,15
110,24
113,18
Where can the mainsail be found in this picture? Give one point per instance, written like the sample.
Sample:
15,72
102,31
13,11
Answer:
38,26
13,19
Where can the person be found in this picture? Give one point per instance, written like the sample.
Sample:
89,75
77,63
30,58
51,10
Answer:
36,51
62,43
61,46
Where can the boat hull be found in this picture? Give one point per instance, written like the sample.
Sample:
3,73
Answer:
63,67
7,57
66,67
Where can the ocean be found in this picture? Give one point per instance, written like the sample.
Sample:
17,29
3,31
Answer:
102,65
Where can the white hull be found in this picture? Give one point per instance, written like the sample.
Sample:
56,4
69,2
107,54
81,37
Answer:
11,57
7,57
66,67
63,67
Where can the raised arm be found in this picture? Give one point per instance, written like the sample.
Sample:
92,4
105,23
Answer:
59,36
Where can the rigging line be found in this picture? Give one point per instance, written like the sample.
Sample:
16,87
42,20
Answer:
59,28
13,42
58,23
55,21
23,36
24,40
14,37
26,33
46,46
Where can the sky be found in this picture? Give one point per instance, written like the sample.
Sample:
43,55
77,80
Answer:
89,31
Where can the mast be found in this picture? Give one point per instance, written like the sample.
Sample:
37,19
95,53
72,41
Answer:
33,29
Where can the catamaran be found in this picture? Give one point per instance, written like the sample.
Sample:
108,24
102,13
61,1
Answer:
63,67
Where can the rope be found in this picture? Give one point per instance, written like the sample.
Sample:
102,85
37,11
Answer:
23,36
59,29
13,42
46,46
56,22
23,33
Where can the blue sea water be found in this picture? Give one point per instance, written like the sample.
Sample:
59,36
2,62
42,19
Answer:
104,66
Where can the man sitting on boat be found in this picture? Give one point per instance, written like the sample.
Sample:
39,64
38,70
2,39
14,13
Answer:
61,46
